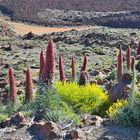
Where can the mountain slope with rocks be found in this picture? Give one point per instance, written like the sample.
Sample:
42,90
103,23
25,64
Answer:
73,13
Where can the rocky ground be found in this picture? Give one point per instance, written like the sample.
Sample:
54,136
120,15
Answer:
99,44
72,12
123,19
110,132
97,129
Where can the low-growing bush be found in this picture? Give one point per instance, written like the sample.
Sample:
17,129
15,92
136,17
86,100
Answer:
126,112
56,109
115,109
112,75
84,99
8,110
47,99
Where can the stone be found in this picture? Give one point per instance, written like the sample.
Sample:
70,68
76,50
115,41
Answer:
17,118
6,65
101,78
101,75
53,130
138,57
37,130
92,120
29,36
126,78
4,124
84,78
23,123
138,66
98,120
77,134
19,83
8,48
93,81
101,81
20,91
106,71
106,138
94,73
119,91
2,74
3,97
109,85
35,80
35,67
3,84
49,130
39,115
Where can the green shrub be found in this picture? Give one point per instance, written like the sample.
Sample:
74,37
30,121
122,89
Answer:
115,109
56,109
126,112
84,99
47,99
112,75
3,117
8,110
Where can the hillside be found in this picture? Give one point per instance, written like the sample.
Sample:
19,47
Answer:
81,12
86,5
5,30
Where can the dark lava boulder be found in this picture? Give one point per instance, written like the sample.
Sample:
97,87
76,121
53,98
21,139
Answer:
29,36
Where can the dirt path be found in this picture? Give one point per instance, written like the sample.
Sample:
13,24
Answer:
22,28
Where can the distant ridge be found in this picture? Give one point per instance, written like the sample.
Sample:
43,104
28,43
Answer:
34,11
82,5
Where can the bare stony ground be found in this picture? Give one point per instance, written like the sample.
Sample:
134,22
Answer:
107,132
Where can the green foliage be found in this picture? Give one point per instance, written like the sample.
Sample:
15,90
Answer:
84,99
138,66
126,112
47,99
134,79
3,117
19,106
115,109
3,114
112,75
8,110
55,108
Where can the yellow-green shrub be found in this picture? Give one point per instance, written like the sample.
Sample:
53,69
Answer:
126,112
115,109
85,99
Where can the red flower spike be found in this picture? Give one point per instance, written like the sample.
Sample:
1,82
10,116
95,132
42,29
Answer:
120,65
13,87
84,67
138,49
29,86
61,69
132,63
49,67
